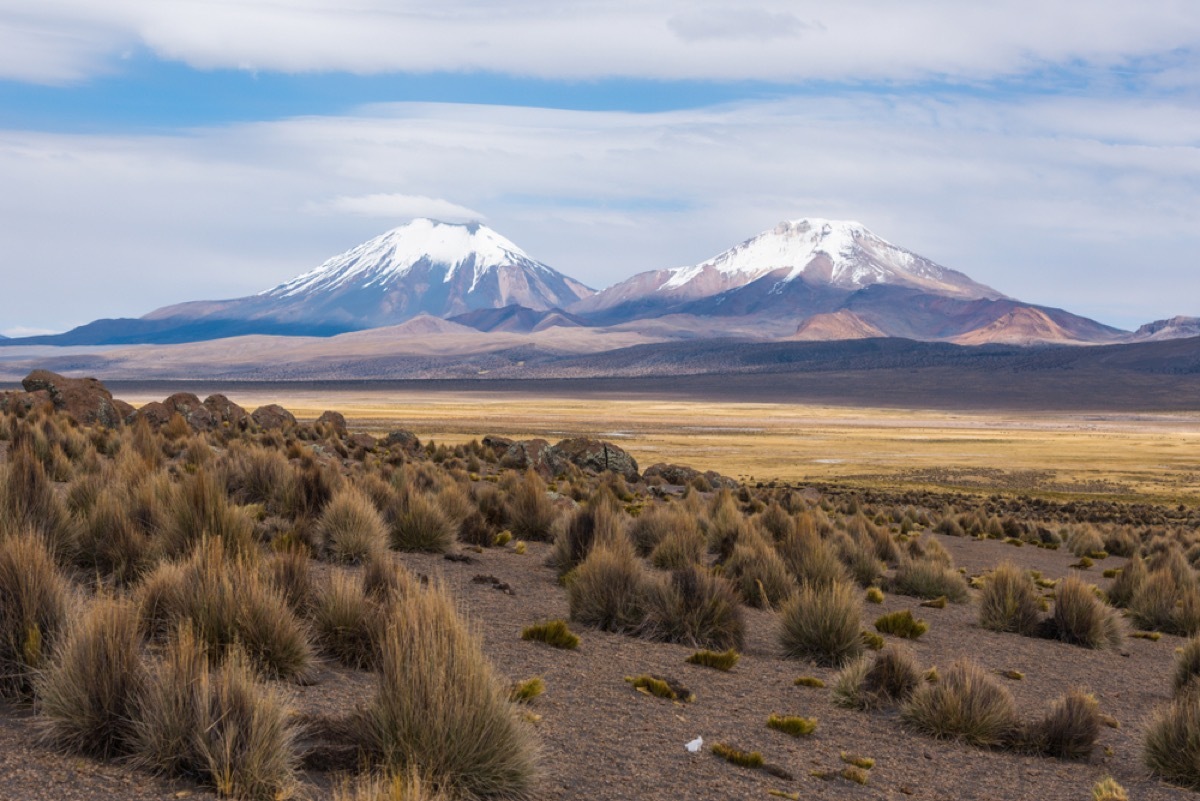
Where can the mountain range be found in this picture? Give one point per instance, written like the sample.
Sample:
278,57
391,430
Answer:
806,280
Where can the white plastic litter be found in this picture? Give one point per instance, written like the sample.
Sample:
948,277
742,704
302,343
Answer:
695,745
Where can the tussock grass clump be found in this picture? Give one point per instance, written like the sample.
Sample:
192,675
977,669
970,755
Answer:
290,573
523,692
347,623
855,774
29,503
441,709
530,514
198,511
88,696
408,786
169,708
609,590
1172,745
1081,618
743,759
966,703
33,611
759,574
1070,728
351,529
857,760
652,526
1167,603
1187,666
926,578
418,524
870,684
1128,582
821,623
1108,789
901,624
555,633
680,548
597,522
1009,601
791,724
874,595
723,660
226,601
111,543
695,608
384,580
810,559
660,687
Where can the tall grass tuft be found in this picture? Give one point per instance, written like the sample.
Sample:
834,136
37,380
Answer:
418,524
530,514
929,578
1172,745
609,590
1009,601
822,623
351,528
1081,618
966,703
695,608
1069,729
890,678
33,611
440,709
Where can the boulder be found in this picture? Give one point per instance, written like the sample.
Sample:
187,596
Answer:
124,409
361,440
225,411
154,413
335,419
84,399
682,475
497,445
272,416
598,456
188,406
405,440
22,403
534,454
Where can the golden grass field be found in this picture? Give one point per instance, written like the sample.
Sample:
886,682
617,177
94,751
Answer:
1149,456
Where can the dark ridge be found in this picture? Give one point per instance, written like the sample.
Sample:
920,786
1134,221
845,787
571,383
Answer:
175,331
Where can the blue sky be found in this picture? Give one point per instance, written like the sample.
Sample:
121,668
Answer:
155,152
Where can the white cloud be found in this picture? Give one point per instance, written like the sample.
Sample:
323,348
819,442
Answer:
773,40
1085,204
392,205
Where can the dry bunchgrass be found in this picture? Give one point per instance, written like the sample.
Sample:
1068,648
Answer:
1069,729
440,708
822,623
759,574
1172,745
1009,601
347,624
29,503
418,524
653,525
530,515
111,543
609,590
88,695
199,510
1128,583
351,529
681,547
1187,666
1167,602
928,578
1081,618
405,786
597,522
810,559
890,678
695,608
290,573
966,703
33,611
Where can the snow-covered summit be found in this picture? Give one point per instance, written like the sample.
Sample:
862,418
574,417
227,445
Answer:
840,253
392,255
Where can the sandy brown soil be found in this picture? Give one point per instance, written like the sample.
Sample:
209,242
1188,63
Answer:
604,741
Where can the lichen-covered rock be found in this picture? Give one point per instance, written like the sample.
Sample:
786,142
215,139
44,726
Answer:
194,413
682,475
361,440
335,419
534,454
405,440
497,445
225,411
85,399
272,416
22,403
598,456
154,413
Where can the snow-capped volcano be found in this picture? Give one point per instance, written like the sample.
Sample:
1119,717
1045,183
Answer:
824,253
424,267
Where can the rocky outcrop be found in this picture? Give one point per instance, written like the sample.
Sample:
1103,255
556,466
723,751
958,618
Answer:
334,419
682,475
225,411
22,403
154,413
272,416
188,406
534,454
405,440
497,445
598,456
85,399
361,440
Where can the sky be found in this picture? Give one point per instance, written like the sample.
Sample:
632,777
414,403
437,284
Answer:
158,151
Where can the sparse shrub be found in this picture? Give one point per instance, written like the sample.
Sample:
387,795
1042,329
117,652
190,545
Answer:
351,528
553,632
966,703
868,684
792,724
759,574
1083,619
857,760
1172,745
929,579
531,515
871,640
33,611
525,691
723,660
695,608
901,624
744,759
821,623
1009,601
1070,728
346,623
440,707
609,590
88,695
417,524
1187,666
